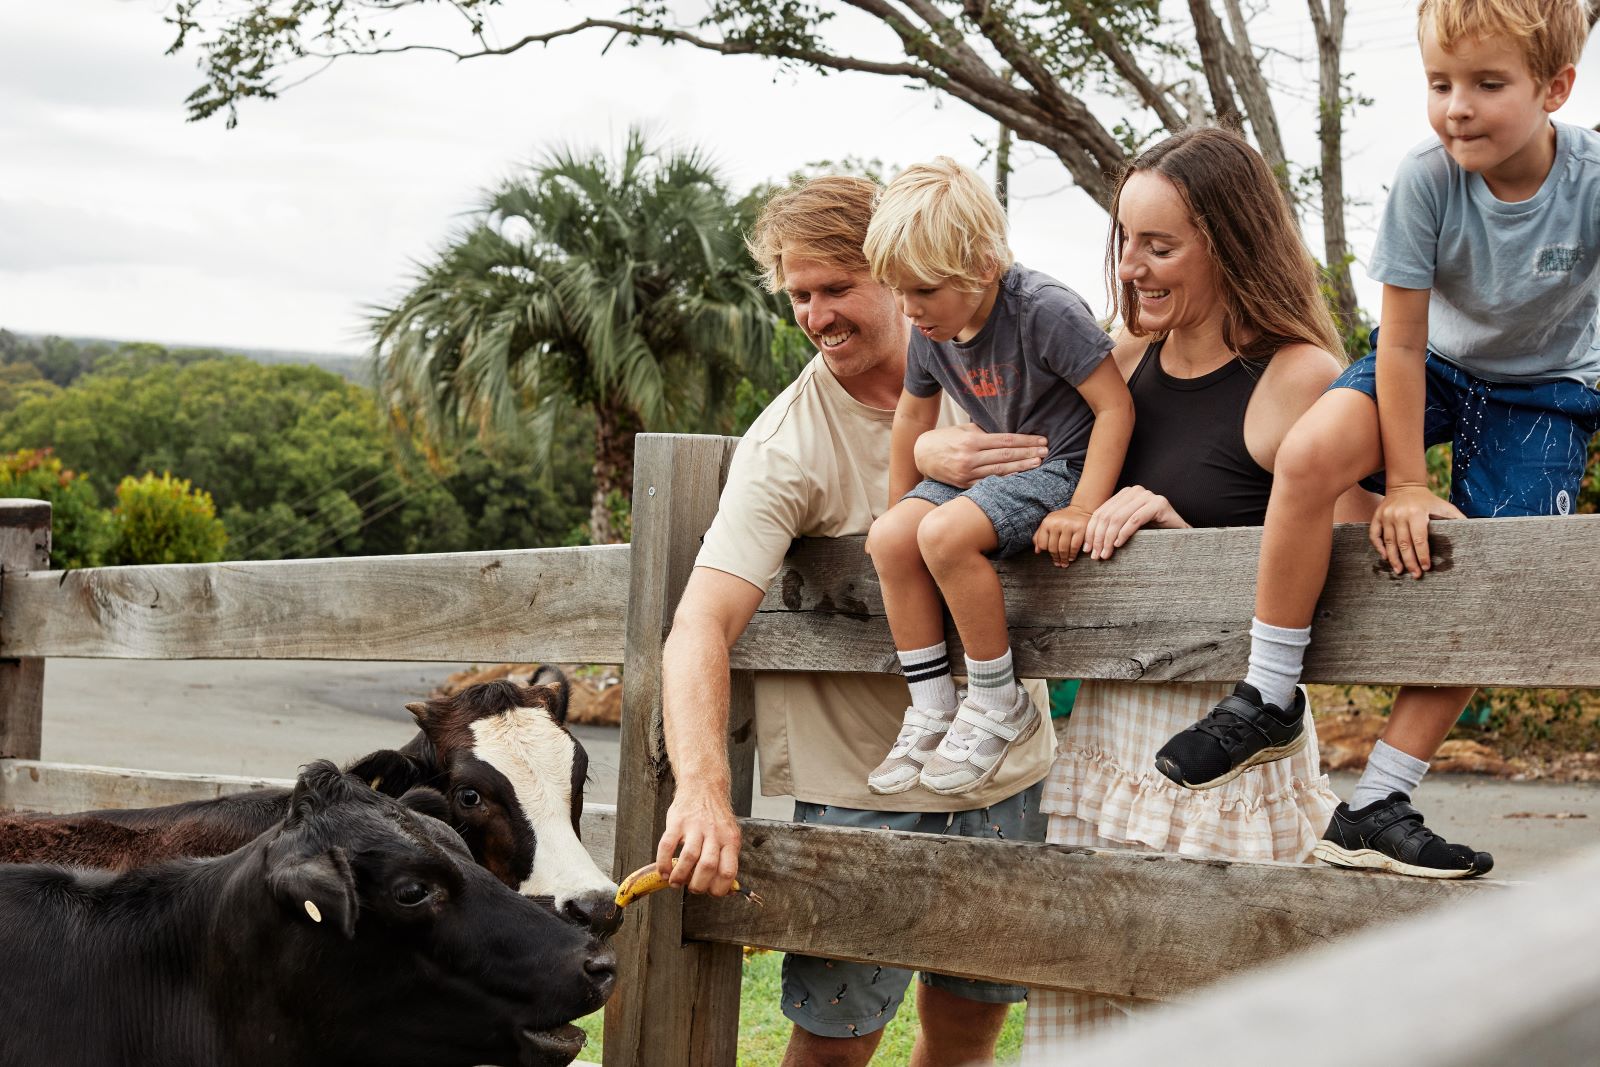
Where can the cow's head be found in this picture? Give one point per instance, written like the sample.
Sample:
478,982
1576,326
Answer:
390,921
513,777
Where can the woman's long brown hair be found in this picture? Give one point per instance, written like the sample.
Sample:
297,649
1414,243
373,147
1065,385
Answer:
1266,279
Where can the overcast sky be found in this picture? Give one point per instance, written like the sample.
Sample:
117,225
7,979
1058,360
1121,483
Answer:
120,219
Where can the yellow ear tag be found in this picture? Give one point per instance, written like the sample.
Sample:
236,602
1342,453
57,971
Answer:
311,910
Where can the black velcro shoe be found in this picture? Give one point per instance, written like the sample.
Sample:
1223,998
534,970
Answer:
1388,835
1239,733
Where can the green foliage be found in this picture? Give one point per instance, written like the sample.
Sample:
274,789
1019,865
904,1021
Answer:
297,460
618,288
81,530
165,520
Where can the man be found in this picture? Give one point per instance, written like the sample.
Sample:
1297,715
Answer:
815,463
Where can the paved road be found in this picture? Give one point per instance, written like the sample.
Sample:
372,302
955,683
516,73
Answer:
267,717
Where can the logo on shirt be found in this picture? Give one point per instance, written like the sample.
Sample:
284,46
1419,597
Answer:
990,382
1563,503
1556,259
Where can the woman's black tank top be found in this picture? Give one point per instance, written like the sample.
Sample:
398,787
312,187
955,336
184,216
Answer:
1188,442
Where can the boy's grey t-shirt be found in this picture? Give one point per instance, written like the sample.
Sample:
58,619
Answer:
1020,373
1516,287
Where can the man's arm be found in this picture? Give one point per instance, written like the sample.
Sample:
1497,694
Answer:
964,455
714,610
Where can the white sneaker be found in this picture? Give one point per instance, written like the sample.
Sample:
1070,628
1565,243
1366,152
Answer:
976,744
901,769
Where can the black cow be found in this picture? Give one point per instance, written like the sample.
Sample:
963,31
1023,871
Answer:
499,752
355,932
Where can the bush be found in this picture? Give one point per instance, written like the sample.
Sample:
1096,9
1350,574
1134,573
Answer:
81,530
165,520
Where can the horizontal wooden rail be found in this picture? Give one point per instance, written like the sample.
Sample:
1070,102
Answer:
1123,924
37,785
1505,978
563,605
1510,602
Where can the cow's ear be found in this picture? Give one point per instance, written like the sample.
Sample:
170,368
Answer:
554,683
389,772
426,801
319,888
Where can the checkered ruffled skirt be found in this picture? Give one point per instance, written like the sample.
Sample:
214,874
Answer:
1104,792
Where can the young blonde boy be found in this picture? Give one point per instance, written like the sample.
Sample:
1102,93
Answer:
1489,255
1021,353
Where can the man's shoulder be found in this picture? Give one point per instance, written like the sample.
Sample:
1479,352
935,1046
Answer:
780,420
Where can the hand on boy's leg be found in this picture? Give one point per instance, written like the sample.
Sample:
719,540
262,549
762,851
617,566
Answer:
1399,528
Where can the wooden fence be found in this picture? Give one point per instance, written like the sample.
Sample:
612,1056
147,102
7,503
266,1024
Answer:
1171,605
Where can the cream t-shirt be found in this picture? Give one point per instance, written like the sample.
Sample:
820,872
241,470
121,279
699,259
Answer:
816,464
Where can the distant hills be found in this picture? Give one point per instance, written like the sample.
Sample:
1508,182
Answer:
357,369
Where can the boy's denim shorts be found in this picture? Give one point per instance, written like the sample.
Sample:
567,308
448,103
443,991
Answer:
835,998
1015,504
1518,448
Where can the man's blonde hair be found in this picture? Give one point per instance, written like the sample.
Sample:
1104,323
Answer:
822,218
1550,33
938,222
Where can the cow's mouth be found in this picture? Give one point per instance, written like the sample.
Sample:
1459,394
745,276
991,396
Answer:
554,1047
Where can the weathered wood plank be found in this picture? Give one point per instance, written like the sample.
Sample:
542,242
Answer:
1176,605
1504,978
1135,925
676,1005
24,547
36,785
557,604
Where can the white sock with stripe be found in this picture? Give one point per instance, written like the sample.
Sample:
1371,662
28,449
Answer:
991,684
928,676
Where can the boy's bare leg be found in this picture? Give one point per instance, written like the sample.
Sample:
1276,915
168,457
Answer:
1422,716
1331,448
911,598
955,540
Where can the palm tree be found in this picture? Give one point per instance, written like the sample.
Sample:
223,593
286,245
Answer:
618,287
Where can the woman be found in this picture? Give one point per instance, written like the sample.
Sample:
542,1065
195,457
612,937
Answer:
1225,342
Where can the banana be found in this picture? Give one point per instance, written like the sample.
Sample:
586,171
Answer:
647,880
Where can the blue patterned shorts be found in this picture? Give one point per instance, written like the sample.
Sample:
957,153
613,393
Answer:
1015,504
1518,448
836,998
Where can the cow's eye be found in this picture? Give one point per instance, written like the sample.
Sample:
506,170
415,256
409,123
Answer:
469,798
410,894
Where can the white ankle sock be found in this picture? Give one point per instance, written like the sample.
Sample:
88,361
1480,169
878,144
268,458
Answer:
1276,653
928,676
1388,771
991,684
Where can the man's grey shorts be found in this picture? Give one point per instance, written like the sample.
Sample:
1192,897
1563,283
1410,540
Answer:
832,998
1015,504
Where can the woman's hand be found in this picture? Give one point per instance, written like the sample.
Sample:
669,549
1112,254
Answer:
1130,509
964,455
1399,528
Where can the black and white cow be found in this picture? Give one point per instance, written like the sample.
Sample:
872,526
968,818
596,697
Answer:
500,753
355,932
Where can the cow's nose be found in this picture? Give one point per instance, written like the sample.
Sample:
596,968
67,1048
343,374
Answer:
601,967
595,911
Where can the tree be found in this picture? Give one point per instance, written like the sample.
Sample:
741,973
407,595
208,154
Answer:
165,520
618,288
1032,67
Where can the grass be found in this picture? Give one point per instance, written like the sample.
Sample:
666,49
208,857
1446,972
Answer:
764,1031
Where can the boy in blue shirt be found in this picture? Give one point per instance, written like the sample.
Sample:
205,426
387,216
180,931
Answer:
1489,255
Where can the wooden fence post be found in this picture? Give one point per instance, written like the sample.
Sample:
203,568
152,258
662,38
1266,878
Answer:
24,546
677,1004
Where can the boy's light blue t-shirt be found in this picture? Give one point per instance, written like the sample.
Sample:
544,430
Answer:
1021,371
1516,287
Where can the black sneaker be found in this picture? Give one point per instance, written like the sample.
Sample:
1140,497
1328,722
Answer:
1239,733
1388,835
